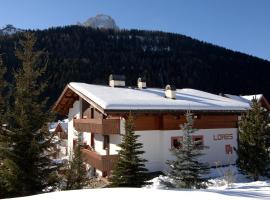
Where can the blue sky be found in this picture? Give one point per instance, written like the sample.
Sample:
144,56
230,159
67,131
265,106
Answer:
242,25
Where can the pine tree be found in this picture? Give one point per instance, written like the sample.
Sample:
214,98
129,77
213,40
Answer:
253,147
3,85
76,174
130,169
7,168
186,171
27,144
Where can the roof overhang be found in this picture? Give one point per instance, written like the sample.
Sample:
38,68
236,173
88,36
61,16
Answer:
264,103
67,99
176,111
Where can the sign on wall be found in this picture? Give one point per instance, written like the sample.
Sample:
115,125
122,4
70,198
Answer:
226,136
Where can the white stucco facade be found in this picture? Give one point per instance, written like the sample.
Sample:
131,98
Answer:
115,139
157,145
74,112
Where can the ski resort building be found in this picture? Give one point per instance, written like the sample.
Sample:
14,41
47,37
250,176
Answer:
99,113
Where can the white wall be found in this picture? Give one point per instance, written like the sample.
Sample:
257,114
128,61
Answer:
99,144
74,112
115,139
87,138
157,146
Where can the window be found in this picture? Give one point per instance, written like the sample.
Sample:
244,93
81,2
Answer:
92,113
176,142
92,140
197,116
106,141
198,140
74,143
228,149
177,117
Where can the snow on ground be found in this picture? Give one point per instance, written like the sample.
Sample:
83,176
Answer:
218,188
242,188
251,191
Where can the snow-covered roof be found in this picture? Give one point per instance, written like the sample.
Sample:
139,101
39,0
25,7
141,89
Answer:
123,98
251,97
63,124
245,98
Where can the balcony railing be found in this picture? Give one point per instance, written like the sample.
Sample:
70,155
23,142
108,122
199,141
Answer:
102,126
104,163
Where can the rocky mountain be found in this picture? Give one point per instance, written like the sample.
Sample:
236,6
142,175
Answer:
9,30
101,21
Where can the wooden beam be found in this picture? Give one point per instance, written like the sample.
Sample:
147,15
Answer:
94,104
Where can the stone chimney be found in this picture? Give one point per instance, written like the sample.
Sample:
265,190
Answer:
141,82
170,92
117,80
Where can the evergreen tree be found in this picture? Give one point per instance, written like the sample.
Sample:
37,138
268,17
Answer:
76,174
186,171
3,85
253,147
7,168
130,169
27,144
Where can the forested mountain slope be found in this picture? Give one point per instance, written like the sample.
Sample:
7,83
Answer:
77,53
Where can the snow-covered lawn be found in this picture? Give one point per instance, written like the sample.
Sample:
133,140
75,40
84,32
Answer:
256,190
242,188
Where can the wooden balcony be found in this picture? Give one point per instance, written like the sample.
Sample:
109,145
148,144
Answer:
101,126
104,163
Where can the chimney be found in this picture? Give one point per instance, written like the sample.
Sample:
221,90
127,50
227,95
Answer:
117,80
170,92
141,82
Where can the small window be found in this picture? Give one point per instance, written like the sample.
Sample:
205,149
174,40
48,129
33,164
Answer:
176,142
74,143
197,116
92,140
198,140
228,149
92,113
106,142
177,117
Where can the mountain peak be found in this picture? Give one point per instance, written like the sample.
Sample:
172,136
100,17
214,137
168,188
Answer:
101,21
9,29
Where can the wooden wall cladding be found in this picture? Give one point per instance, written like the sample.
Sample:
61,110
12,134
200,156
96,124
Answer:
173,122
89,112
147,122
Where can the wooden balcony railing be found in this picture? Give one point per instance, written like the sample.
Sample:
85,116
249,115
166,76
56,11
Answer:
102,126
104,163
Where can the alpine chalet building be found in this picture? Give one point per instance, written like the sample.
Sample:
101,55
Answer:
99,113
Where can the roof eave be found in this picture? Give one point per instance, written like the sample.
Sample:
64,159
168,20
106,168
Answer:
171,111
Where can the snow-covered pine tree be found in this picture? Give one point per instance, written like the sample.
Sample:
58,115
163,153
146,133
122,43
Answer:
186,171
130,169
254,142
76,174
28,145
